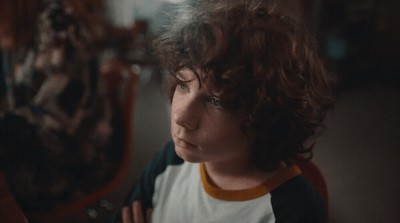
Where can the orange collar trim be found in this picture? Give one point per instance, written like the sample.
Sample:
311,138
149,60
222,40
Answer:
252,193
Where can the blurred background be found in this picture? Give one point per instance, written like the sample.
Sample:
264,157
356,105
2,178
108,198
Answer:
358,153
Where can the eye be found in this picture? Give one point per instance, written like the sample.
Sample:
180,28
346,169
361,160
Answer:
183,87
214,101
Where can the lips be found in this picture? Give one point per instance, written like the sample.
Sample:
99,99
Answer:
184,143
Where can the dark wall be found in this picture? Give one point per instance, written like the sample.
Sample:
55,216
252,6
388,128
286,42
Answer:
362,39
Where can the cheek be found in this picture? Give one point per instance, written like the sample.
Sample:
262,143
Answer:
228,131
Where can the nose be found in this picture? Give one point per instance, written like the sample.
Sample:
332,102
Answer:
185,113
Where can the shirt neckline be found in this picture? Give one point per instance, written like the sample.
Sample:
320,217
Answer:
285,174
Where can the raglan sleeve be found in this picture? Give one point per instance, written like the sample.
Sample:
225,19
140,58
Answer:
298,202
143,189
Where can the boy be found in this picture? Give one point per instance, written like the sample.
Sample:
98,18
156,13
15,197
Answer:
248,93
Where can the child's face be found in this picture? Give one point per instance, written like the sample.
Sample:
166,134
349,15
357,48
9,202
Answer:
202,130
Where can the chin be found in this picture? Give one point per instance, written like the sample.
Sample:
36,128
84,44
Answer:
185,155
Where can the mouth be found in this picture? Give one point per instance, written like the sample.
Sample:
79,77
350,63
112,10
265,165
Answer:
184,143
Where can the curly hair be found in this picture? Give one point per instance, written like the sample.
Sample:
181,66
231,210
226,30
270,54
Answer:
261,63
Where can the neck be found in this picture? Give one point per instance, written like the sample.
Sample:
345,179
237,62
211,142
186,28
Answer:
235,174
228,168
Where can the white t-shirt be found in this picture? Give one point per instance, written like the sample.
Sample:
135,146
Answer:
178,191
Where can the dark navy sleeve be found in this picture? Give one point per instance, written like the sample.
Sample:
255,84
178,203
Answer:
143,190
296,201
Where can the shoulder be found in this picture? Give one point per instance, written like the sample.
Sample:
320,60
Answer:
167,156
144,188
297,201
164,158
